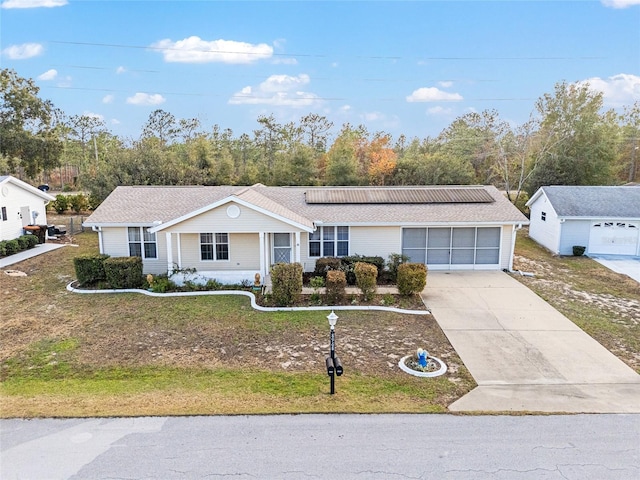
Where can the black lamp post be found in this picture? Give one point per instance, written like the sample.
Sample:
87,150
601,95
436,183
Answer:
334,366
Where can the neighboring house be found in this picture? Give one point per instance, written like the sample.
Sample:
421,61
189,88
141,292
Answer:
605,220
231,233
20,205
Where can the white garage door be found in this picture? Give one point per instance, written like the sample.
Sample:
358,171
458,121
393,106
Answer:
615,238
444,248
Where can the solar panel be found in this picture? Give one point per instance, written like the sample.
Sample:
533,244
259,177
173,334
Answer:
390,195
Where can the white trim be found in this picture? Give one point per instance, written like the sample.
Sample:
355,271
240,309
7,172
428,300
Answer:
167,237
263,265
239,201
29,188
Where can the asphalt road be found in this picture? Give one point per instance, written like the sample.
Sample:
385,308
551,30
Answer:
324,446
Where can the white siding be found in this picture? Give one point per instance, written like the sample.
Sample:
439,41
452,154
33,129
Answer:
505,245
244,253
370,241
115,242
573,232
13,200
217,220
375,241
545,232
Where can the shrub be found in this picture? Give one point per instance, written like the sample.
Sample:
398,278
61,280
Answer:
394,261
325,264
93,201
124,272
90,268
23,243
3,249
412,278
348,266
60,204
578,250
32,240
286,283
366,276
336,285
78,203
316,283
161,284
11,246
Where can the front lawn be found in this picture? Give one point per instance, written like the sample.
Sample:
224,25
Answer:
65,354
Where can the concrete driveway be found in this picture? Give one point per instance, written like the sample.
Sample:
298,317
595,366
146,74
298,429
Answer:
524,354
620,264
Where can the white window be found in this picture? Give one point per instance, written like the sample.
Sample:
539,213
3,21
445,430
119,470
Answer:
142,243
329,242
214,246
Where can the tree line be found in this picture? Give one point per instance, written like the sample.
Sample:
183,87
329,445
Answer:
569,139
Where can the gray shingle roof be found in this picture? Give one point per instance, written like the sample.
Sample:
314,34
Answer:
145,205
592,202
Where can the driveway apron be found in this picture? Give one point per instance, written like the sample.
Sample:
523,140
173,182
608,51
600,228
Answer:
523,353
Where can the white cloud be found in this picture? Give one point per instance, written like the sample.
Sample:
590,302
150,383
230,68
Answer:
23,51
447,84
620,3
33,3
433,94
437,111
372,116
115,121
146,99
120,70
196,50
93,115
278,90
48,75
617,90
108,98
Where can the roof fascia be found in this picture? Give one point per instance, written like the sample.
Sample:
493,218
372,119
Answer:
224,201
30,188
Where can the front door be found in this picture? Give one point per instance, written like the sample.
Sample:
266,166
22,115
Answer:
281,248
25,214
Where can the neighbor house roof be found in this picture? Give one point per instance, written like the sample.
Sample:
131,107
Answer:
592,202
148,205
25,186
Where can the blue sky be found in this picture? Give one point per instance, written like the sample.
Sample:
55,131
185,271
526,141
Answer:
400,67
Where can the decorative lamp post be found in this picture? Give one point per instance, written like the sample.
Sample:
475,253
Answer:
334,366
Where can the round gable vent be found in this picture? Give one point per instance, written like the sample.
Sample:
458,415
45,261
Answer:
233,211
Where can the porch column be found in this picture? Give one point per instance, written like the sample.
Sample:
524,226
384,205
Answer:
179,246
298,247
167,236
263,266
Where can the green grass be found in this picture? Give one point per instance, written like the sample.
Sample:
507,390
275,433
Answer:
65,354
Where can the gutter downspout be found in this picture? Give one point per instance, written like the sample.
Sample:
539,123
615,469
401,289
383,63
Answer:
513,244
99,230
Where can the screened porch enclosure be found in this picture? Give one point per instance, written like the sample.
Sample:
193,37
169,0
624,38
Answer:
453,247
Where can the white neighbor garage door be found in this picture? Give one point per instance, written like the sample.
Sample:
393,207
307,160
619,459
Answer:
444,248
616,238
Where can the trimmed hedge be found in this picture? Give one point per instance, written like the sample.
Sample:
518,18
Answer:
366,277
11,246
336,285
349,263
412,278
90,268
32,240
286,283
325,264
124,272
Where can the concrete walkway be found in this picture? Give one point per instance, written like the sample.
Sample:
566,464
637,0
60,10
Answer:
26,254
524,354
